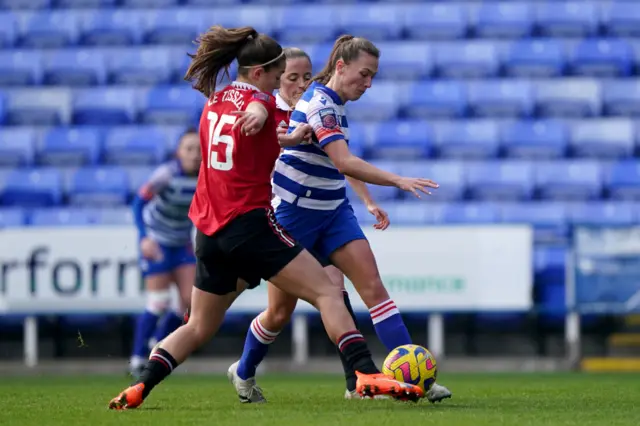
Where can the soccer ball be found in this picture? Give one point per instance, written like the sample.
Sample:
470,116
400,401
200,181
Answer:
411,364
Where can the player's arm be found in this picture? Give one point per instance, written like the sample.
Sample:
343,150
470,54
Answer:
156,182
361,190
252,119
301,133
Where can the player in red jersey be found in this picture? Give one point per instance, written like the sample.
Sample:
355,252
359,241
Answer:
239,242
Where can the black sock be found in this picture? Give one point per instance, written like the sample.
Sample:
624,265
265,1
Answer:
349,374
354,349
159,366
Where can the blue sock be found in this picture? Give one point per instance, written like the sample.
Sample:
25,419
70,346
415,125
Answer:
168,324
145,326
255,349
389,325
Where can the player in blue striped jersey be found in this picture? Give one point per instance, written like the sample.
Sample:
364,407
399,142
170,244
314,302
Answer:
165,236
309,184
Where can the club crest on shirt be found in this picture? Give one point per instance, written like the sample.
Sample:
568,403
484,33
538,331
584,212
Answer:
328,118
262,96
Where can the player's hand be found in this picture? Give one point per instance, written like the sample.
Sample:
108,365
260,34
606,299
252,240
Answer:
416,185
249,122
150,249
302,133
381,216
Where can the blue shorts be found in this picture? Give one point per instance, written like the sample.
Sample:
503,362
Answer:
172,258
320,231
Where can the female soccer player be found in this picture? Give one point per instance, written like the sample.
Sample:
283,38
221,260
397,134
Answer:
239,242
161,212
309,181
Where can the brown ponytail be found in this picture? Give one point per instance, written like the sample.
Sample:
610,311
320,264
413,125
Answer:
347,48
219,47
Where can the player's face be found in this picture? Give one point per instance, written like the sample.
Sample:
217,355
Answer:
268,81
357,76
295,77
189,153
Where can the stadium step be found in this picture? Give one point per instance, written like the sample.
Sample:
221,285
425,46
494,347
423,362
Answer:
611,364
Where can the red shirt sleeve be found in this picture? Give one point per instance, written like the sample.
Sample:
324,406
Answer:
267,100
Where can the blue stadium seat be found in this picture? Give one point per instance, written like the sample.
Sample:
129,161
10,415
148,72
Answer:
467,139
68,147
309,24
409,213
12,218
435,21
139,66
602,58
402,140
377,22
495,180
568,98
172,26
104,106
39,107
117,27
472,213
436,99
49,29
104,186
135,145
25,4
466,59
263,18
549,220
380,102
612,138
17,147
384,193
450,175
621,97
151,4
603,213
550,265
534,58
623,180
62,216
405,61
504,19
501,98
544,139
3,108
115,216
172,136
20,67
567,19
82,67
172,105
621,18
8,29
32,188
572,180
137,176
85,4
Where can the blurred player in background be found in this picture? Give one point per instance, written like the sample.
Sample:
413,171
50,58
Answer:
310,187
161,212
239,242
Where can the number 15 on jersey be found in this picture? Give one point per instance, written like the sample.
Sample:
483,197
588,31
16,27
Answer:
216,138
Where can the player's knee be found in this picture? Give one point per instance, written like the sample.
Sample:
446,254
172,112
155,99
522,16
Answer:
200,331
158,301
275,318
374,292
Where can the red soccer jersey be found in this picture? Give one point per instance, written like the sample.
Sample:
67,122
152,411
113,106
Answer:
235,175
283,112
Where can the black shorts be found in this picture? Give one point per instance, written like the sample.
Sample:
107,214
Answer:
252,247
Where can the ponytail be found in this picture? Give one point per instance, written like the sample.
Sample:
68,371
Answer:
324,76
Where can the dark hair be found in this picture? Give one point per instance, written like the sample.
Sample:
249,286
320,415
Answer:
219,47
295,52
347,48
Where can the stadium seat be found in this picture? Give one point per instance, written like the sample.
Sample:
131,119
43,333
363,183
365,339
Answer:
171,105
534,58
137,176
549,220
135,145
74,216
571,180
621,98
475,139
471,213
39,107
622,180
402,140
172,136
139,66
68,147
104,186
104,27
172,26
32,188
98,106
568,98
466,59
260,17
385,193
151,4
450,175
12,218
83,67
500,181
85,4
500,99
380,102
25,4
550,265
20,67
405,61
17,147
612,138
567,18
309,24
408,213
621,18
436,99
599,213
434,21
504,19
377,22
8,29
544,139
48,29
602,58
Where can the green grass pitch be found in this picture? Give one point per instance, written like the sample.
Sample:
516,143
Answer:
479,399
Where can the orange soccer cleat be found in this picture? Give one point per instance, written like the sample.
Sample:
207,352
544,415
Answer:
370,385
129,398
